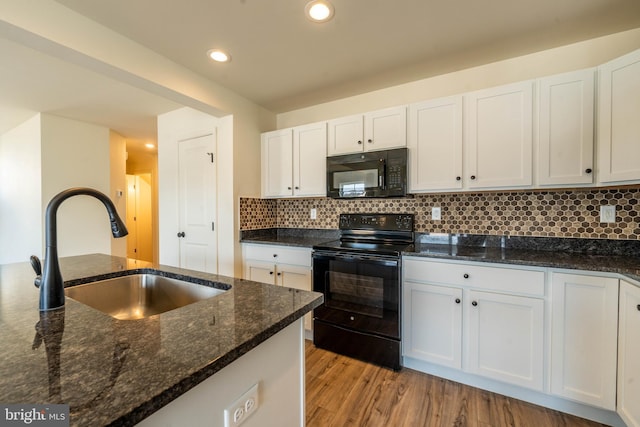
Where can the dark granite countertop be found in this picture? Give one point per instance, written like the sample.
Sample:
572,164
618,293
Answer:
611,256
627,266
117,372
302,237
620,257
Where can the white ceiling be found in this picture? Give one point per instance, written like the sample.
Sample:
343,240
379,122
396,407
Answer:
282,61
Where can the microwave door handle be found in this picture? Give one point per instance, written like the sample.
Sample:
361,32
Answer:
382,171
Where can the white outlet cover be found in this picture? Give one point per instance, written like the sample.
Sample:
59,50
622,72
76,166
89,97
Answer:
436,213
236,413
608,214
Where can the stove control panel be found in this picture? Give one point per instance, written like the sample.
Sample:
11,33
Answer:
381,222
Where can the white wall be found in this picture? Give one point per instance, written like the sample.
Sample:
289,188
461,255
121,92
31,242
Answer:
118,185
21,220
64,34
76,154
175,126
571,57
231,174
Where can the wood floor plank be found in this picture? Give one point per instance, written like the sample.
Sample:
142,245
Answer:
344,392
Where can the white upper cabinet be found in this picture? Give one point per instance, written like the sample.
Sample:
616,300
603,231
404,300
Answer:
618,120
435,145
376,130
565,128
293,161
277,163
345,135
309,164
498,138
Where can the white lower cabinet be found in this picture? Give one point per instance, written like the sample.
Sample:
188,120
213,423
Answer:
502,335
433,305
629,355
505,338
584,331
279,265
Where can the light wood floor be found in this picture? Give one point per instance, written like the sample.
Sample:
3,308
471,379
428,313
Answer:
346,392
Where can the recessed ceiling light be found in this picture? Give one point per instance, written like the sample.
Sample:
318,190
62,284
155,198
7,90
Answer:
319,10
219,55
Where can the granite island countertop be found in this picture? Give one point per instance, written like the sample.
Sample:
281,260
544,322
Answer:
118,372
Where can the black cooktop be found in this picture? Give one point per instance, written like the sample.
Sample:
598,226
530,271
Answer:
372,248
383,234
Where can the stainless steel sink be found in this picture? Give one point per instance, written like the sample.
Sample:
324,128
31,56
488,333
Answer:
140,295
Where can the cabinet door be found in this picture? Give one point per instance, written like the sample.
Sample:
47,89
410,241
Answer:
565,128
628,351
309,165
277,163
260,271
618,124
345,135
498,139
435,145
384,129
296,277
584,331
505,338
432,324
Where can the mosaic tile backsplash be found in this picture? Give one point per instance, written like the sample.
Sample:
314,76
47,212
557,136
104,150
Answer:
574,213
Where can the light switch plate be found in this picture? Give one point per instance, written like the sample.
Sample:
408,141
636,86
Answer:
608,214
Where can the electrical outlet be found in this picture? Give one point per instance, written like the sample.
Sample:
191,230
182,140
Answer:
436,213
608,214
242,408
313,214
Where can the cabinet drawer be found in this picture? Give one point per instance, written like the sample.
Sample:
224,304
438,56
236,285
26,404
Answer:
278,254
490,277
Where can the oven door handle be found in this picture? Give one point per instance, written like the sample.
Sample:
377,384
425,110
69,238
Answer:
391,261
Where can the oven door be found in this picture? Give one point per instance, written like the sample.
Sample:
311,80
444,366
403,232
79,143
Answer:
361,292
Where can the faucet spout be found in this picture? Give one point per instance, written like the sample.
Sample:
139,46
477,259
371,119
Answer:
51,284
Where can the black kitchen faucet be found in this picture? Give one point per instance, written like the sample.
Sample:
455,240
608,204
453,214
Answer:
50,280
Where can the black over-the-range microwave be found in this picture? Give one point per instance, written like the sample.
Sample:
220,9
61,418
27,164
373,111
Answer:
370,174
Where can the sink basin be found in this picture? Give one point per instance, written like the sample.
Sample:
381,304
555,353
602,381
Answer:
140,295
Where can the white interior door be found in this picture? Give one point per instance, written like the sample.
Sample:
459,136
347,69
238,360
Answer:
197,195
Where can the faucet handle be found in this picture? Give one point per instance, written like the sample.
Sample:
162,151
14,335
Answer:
37,267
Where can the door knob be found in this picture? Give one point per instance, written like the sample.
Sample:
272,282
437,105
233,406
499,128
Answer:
181,234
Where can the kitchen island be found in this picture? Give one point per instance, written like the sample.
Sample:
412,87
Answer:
119,372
